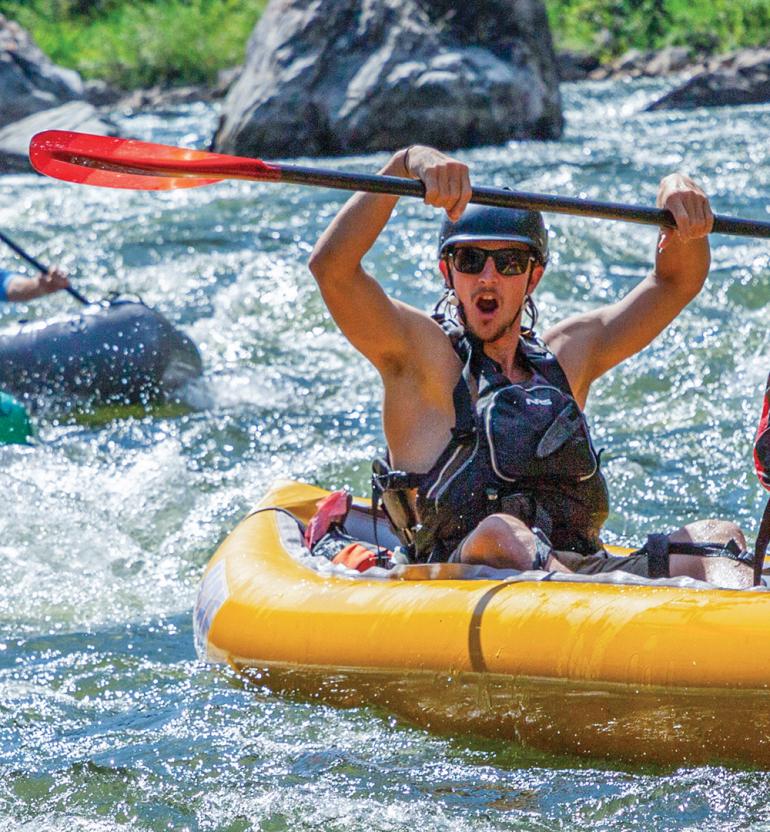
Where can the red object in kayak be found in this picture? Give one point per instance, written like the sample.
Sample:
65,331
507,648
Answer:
332,509
762,442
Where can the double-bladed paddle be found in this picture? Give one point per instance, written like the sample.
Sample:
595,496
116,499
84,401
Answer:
39,266
126,163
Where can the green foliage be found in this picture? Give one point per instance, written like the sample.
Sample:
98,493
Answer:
140,43
132,43
613,26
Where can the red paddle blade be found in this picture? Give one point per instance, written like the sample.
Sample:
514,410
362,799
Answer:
126,163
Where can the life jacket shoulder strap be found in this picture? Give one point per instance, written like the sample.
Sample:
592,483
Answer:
475,364
541,359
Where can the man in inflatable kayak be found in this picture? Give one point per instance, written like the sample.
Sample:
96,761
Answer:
489,455
16,287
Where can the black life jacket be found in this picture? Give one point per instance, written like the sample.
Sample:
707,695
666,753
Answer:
520,448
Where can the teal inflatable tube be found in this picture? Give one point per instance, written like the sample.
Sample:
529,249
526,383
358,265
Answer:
15,427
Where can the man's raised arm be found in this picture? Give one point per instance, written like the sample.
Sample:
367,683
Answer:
382,329
588,345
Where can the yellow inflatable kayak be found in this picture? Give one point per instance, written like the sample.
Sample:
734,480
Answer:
671,671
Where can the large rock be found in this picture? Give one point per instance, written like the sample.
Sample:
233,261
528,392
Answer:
742,77
15,138
29,81
342,76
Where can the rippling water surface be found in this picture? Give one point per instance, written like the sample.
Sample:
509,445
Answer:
106,718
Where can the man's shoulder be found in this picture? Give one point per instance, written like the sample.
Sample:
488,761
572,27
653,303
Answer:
434,354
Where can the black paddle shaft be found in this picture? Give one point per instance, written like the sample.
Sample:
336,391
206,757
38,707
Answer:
39,266
517,199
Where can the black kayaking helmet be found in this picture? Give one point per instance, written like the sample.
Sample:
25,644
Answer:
487,222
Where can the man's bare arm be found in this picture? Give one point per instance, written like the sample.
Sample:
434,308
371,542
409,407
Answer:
22,288
589,345
384,330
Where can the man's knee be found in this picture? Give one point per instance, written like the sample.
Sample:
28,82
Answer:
723,571
710,531
500,540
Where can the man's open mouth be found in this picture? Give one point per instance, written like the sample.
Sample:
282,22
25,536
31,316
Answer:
486,304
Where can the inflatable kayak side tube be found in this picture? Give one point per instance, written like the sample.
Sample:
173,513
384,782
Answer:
120,352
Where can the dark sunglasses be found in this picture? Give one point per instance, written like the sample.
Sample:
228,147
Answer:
508,261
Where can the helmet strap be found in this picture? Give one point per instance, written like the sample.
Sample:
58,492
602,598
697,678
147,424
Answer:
450,296
531,310
447,271
529,305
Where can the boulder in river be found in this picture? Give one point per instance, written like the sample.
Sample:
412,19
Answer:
14,139
742,77
29,81
347,76
576,66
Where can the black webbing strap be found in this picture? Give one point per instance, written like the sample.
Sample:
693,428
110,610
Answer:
657,548
465,395
285,511
760,547
389,480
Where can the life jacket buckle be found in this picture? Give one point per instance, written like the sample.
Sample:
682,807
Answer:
389,489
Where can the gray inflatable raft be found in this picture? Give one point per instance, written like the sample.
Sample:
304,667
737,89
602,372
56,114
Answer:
118,351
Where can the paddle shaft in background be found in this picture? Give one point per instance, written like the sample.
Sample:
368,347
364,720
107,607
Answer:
111,162
39,266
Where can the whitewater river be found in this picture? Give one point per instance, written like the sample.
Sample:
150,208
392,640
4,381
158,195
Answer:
107,719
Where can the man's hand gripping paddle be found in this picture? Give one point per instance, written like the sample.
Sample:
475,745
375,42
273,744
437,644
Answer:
125,163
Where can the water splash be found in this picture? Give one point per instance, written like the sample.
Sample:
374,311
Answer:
106,720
